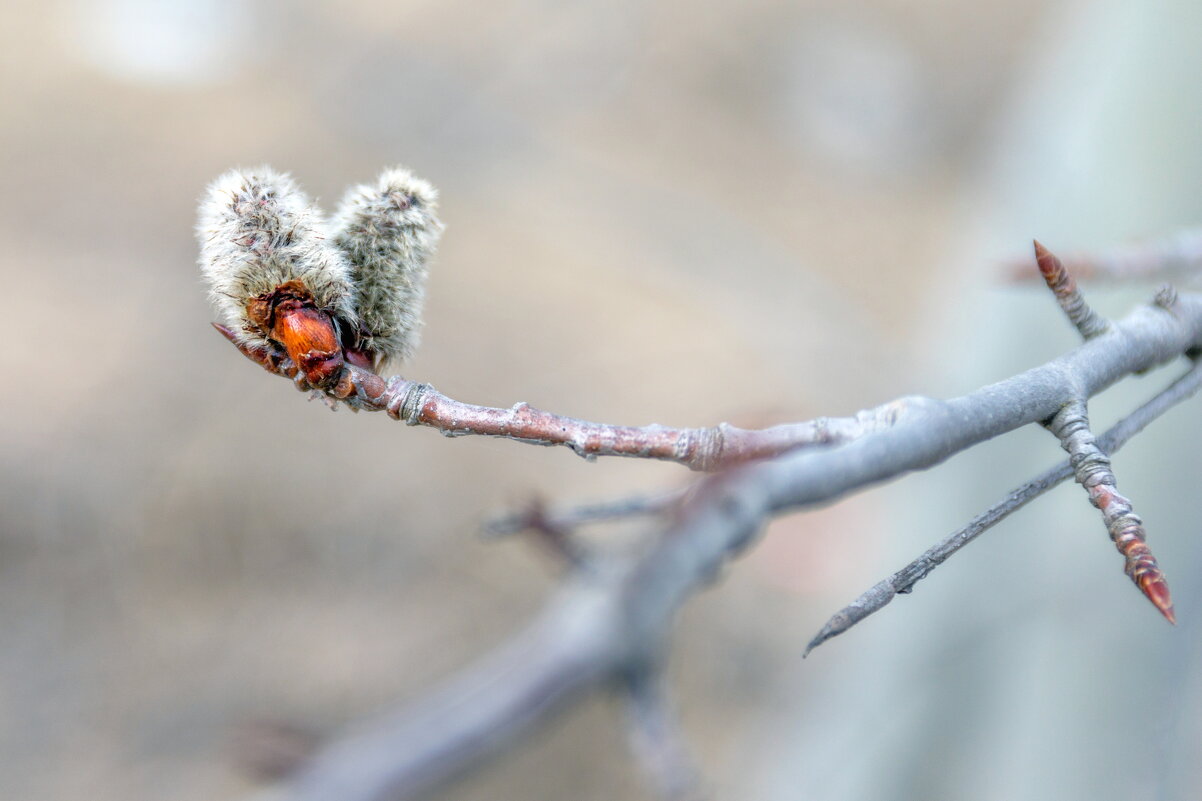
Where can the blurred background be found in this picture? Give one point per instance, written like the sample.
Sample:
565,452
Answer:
674,212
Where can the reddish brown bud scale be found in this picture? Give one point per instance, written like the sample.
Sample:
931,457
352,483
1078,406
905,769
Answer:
1143,569
360,358
268,356
308,336
1157,591
1052,268
306,333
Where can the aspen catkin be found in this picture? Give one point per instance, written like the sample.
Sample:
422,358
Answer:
388,231
258,231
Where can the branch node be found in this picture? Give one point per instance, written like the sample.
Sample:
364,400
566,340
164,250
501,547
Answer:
406,399
707,445
1087,322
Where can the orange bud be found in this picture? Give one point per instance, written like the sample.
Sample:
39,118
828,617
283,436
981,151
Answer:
307,333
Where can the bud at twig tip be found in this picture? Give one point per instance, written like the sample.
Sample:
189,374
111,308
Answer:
1157,591
1049,265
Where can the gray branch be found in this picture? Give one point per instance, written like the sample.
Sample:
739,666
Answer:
880,594
608,621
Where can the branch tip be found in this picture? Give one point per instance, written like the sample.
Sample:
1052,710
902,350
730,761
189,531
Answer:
1091,467
1047,262
1087,322
225,331
825,633
270,359
1157,591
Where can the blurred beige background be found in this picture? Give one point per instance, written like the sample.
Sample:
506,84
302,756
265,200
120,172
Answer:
662,211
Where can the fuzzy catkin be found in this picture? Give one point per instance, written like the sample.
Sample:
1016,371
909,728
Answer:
389,231
258,230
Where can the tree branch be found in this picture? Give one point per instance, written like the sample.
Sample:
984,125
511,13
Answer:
606,621
880,594
656,739
704,449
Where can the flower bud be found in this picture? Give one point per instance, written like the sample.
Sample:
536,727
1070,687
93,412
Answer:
259,234
388,231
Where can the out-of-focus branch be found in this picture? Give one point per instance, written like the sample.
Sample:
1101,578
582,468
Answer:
1141,565
1169,258
704,449
656,739
613,619
569,518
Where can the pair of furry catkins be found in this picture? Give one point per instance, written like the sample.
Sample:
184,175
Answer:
366,268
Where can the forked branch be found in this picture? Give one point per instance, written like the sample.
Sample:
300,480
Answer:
614,618
326,303
880,594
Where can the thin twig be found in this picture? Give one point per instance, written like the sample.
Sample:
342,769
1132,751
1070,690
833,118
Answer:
1091,466
1088,322
880,594
705,449
552,534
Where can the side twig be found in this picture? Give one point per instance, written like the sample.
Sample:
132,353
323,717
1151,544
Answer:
705,449
656,740
1091,466
552,534
585,514
1088,322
